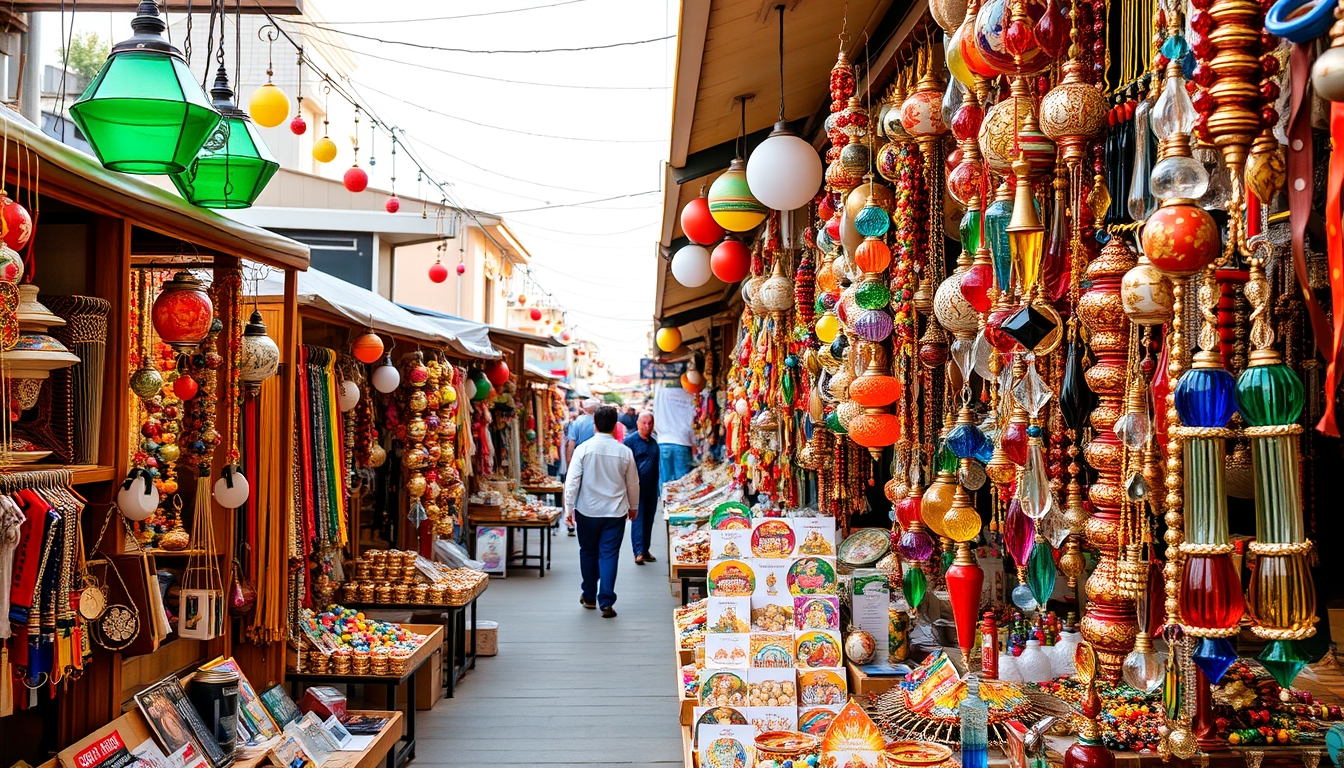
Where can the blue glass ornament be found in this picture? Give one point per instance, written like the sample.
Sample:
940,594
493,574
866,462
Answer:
1174,47
1205,397
966,440
1213,657
872,221
1023,598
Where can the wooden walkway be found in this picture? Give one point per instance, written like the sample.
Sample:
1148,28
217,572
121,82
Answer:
568,688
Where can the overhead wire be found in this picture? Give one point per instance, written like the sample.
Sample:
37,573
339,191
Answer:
588,202
461,16
500,51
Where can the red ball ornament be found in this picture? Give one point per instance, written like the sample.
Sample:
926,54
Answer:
356,179
393,204
182,313
18,225
975,286
497,372
367,348
437,272
535,314
461,269
1181,239
522,299
730,261
185,387
698,225
298,126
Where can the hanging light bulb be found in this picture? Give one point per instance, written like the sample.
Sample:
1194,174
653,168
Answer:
386,377
269,106
143,112
259,356
785,171
348,396
232,490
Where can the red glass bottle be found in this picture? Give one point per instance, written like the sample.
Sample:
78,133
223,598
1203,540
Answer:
1211,596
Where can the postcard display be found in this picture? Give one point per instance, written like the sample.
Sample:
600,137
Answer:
773,658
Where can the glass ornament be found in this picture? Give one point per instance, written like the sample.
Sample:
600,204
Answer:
1033,487
827,327
982,353
935,504
1173,113
1134,428
1054,526
1147,294
1019,533
1139,202
875,430
975,285
914,584
232,490
916,545
875,390
972,476
872,294
872,220
994,31
964,183
1204,397
690,266
1179,177
731,202
1032,326
1210,595
1076,398
182,313
258,356
873,325
144,113
1056,264
1032,392
954,56
833,423
966,440
1269,394
998,214
967,120
1282,594
907,512
1023,598
1213,656
954,95
1014,442
969,230
1144,670
962,523
995,334
1041,574
872,255
1284,659
234,165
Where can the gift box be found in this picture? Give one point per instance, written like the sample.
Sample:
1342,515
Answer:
323,700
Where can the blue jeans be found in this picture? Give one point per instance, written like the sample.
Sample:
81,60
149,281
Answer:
673,461
641,533
599,552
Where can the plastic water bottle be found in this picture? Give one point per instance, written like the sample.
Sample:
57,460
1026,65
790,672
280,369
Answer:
974,727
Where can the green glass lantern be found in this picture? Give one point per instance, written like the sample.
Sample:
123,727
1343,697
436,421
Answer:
234,165
144,113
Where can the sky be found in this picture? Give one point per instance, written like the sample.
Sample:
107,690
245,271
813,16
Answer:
569,153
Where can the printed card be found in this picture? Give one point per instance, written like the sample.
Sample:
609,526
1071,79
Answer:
727,746
728,615
816,536
765,719
772,650
822,687
729,544
773,538
728,651
772,688
816,612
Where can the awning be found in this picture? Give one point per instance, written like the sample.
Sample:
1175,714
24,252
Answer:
539,373
361,307
470,336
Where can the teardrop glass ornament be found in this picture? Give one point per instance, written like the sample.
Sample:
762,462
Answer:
1140,200
1032,392
1023,597
913,586
1041,573
1019,533
1076,398
1033,488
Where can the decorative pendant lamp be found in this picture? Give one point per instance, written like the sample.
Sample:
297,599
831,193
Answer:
234,166
324,149
259,357
269,106
731,203
182,313
143,112
784,172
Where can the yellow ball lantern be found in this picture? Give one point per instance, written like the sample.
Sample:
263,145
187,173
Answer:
324,150
935,505
269,106
962,522
828,326
668,339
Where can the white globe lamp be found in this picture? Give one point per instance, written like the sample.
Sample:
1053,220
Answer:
784,172
690,266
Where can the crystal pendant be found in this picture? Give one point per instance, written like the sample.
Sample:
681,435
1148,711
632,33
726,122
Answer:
1033,488
1032,392
916,545
1019,533
966,440
913,586
1136,488
1029,326
972,476
1145,671
1133,429
1076,398
1055,266
1054,527
981,355
963,354
1140,201
1284,659
1213,656
1014,442
1023,598
1041,573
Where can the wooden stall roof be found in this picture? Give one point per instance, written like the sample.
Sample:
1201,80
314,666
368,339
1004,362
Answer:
69,175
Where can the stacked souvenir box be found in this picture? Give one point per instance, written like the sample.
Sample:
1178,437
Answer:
773,656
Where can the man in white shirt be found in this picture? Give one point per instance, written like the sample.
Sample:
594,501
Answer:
601,492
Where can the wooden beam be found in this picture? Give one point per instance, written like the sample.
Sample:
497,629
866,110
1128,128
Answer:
286,7
691,33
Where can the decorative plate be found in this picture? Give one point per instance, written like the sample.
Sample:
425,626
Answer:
821,687
27,457
722,716
773,538
730,515
811,576
723,689
864,547
733,578
815,721
818,648
816,613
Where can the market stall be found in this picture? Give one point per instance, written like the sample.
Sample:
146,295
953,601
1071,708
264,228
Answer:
1035,334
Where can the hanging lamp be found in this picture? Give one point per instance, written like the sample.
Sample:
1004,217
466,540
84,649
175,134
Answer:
785,171
731,203
143,112
235,165
269,106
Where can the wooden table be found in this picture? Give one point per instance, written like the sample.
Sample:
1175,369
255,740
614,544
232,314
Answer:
378,750
403,750
555,492
686,573
543,556
455,627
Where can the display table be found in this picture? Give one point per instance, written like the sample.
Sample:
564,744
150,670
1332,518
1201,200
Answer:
377,751
863,684
687,573
489,516
404,750
554,492
461,652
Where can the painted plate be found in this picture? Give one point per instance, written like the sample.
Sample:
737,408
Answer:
811,576
822,687
723,689
864,547
722,716
773,538
725,753
730,515
818,648
815,721
732,578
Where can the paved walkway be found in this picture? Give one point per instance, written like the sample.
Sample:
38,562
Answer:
568,686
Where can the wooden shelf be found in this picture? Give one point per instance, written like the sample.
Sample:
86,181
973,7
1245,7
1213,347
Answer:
82,473
157,552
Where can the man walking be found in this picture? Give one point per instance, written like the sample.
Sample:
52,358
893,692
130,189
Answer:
674,408
645,450
579,431
602,490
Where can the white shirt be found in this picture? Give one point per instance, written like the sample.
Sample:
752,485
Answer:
674,413
603,480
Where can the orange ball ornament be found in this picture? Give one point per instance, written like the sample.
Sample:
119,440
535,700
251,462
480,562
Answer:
875,430
875,391
872,255
935,505
368,348
826,279
1181,239
691,386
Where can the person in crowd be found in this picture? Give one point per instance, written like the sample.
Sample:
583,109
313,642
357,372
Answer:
602,490
629,419
579,431
645,449
674,408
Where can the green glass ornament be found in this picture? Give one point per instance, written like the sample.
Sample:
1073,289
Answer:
947,460
1041,572
787,386
1270,394
913,586
1284,659
970,230
873,294
833,423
